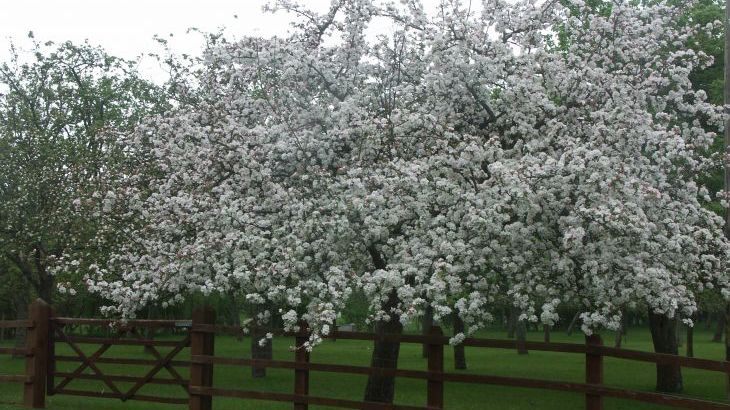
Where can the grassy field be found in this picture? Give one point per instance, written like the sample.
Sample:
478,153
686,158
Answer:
553,366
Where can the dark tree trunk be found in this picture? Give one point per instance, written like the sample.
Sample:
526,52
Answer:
678,333
21,308
149,332
45,290
426,323
690,341
546,333
459,351
234,314
521,336
512,322
720,329
385,355
664,337
258,351
572,323
621,331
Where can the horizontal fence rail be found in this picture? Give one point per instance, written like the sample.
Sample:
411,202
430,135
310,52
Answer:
606,351
44,331
147,324
15,324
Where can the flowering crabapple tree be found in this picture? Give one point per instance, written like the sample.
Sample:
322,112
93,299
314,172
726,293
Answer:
538,150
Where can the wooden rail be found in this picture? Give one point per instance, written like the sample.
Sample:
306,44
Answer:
14,324
199,389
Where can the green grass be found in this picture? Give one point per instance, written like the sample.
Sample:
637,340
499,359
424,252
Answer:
545,365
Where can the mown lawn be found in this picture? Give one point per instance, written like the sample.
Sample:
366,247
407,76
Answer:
553,366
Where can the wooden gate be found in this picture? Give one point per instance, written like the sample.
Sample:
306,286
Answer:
130,335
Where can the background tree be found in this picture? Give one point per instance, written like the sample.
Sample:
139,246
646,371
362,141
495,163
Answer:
58,107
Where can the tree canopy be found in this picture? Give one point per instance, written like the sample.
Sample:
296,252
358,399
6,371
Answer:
550,152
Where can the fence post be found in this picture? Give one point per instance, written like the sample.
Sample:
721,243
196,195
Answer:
201,374
594,370
301,376
36,362
435,385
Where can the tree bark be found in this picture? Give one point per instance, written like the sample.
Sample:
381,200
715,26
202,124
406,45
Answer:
546,333
260,352
459,350
149,332
717,337
620,332
46,287
708,321
664,337
426,323
385,355
512,322
21,308
521,336
235,314
572,323
690,341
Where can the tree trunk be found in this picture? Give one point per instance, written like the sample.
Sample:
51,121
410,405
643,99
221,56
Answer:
572,323
678,333
459,350
21,308
258,351
385,355
149,332
717,337
620,332
664,337
45,290
426,323
512,322
235,314
691,338
521,336
546,333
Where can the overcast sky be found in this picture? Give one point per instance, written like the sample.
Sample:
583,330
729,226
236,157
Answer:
125,28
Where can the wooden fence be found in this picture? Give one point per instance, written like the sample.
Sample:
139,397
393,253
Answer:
35,352
199,390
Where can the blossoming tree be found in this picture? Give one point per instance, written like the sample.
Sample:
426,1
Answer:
544,151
